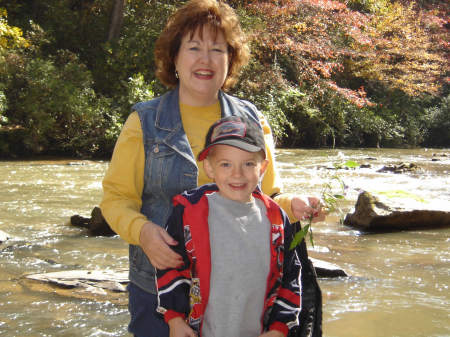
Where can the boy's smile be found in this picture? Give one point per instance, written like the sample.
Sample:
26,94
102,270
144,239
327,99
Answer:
236,172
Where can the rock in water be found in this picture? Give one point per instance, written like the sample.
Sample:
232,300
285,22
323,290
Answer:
111,280
327,269
400,168
3,236
96,224
373,215
106,285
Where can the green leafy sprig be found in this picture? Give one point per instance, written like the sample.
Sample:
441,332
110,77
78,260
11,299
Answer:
330,202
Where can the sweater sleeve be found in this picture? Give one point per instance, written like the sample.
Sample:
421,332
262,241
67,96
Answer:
284,200
174,283
271,183
124,182
286,308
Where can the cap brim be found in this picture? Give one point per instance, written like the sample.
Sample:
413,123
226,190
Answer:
232,142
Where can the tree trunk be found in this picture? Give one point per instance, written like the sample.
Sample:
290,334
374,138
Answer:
116,20
34,10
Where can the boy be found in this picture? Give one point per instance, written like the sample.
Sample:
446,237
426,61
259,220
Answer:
238,277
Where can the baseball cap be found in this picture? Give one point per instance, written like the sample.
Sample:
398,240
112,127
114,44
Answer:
236,131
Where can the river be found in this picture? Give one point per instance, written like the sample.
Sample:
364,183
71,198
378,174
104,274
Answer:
398,283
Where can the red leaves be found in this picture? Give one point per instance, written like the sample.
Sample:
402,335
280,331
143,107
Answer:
316,35
357,97
326,4
404,47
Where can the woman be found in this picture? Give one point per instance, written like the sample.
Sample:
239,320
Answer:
198,55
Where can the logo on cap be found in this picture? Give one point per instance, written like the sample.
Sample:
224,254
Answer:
228,129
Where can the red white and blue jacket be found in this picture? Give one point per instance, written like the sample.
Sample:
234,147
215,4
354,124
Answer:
184,292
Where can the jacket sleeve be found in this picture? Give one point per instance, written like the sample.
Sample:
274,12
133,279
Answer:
286,308
174,283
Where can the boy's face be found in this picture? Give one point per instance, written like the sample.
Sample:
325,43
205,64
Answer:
236,172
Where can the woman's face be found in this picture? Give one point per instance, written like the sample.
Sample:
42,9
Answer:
202,66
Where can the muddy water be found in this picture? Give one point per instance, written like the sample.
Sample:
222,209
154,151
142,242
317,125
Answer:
398,284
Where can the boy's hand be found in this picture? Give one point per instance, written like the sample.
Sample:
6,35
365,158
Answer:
179,328
272,333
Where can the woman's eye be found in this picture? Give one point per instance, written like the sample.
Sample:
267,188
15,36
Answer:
250,164
225,165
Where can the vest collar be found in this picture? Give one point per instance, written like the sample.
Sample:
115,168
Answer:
168,115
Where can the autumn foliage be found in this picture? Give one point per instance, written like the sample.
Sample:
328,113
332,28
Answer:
373,54
400,44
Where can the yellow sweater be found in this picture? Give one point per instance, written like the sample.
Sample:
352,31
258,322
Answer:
124,181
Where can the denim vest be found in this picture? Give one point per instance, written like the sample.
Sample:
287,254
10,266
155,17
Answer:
170,166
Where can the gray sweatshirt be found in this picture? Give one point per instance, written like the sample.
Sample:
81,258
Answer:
240,263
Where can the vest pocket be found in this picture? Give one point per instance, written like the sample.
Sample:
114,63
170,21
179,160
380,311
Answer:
163,174
167,172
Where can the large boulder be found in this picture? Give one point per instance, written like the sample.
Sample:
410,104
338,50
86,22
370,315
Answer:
371,214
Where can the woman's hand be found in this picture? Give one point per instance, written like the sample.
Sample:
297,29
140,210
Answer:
155,242
305,208
179,328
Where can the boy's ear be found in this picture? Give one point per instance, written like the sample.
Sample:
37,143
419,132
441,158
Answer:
208,168
264,165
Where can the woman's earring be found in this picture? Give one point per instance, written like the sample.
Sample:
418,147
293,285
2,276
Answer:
176,74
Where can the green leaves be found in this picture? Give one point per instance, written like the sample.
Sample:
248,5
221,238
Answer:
10,37
299,236
330,198
348,164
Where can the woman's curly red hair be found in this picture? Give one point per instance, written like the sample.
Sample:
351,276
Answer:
196,14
